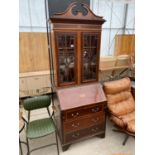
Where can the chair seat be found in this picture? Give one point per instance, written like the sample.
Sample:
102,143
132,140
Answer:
131,126
129,119
40,128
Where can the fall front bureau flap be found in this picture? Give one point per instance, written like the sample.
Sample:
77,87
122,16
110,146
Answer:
78,96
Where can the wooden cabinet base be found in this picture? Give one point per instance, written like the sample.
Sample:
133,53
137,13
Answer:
80,114
65,147
101,135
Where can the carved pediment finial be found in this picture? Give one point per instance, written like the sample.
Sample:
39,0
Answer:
79,9
77,12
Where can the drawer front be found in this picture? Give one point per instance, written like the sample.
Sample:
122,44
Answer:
84,122
83,111
94,130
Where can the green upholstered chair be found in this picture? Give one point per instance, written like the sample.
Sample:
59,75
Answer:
40,127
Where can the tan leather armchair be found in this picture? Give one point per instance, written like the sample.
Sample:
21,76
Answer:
121,105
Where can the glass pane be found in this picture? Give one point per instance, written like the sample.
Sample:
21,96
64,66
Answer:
66,57
90,47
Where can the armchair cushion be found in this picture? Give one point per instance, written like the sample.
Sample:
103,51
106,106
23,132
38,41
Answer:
131,126
120,103
114,87
127,120
115,98
122,107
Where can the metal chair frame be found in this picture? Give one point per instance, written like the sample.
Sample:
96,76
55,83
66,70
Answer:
22,142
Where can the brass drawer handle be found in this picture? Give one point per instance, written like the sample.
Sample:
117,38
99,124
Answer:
95,109
75,135
75,125
95,120
94,129
75,115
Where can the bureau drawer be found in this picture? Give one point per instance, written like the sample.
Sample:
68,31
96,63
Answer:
94,130
84,122
84,111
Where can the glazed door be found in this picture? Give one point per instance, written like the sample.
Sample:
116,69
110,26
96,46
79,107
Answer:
66,58
90,56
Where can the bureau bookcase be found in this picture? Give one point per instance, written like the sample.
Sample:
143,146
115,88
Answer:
79,111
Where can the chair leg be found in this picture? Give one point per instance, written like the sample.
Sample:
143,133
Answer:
57,142
125,140
28,148
20,145
117,130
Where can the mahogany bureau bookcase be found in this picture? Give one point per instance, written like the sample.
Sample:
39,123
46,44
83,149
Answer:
79,113
76,35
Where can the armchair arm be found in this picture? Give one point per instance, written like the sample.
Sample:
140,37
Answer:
122,119
119,117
